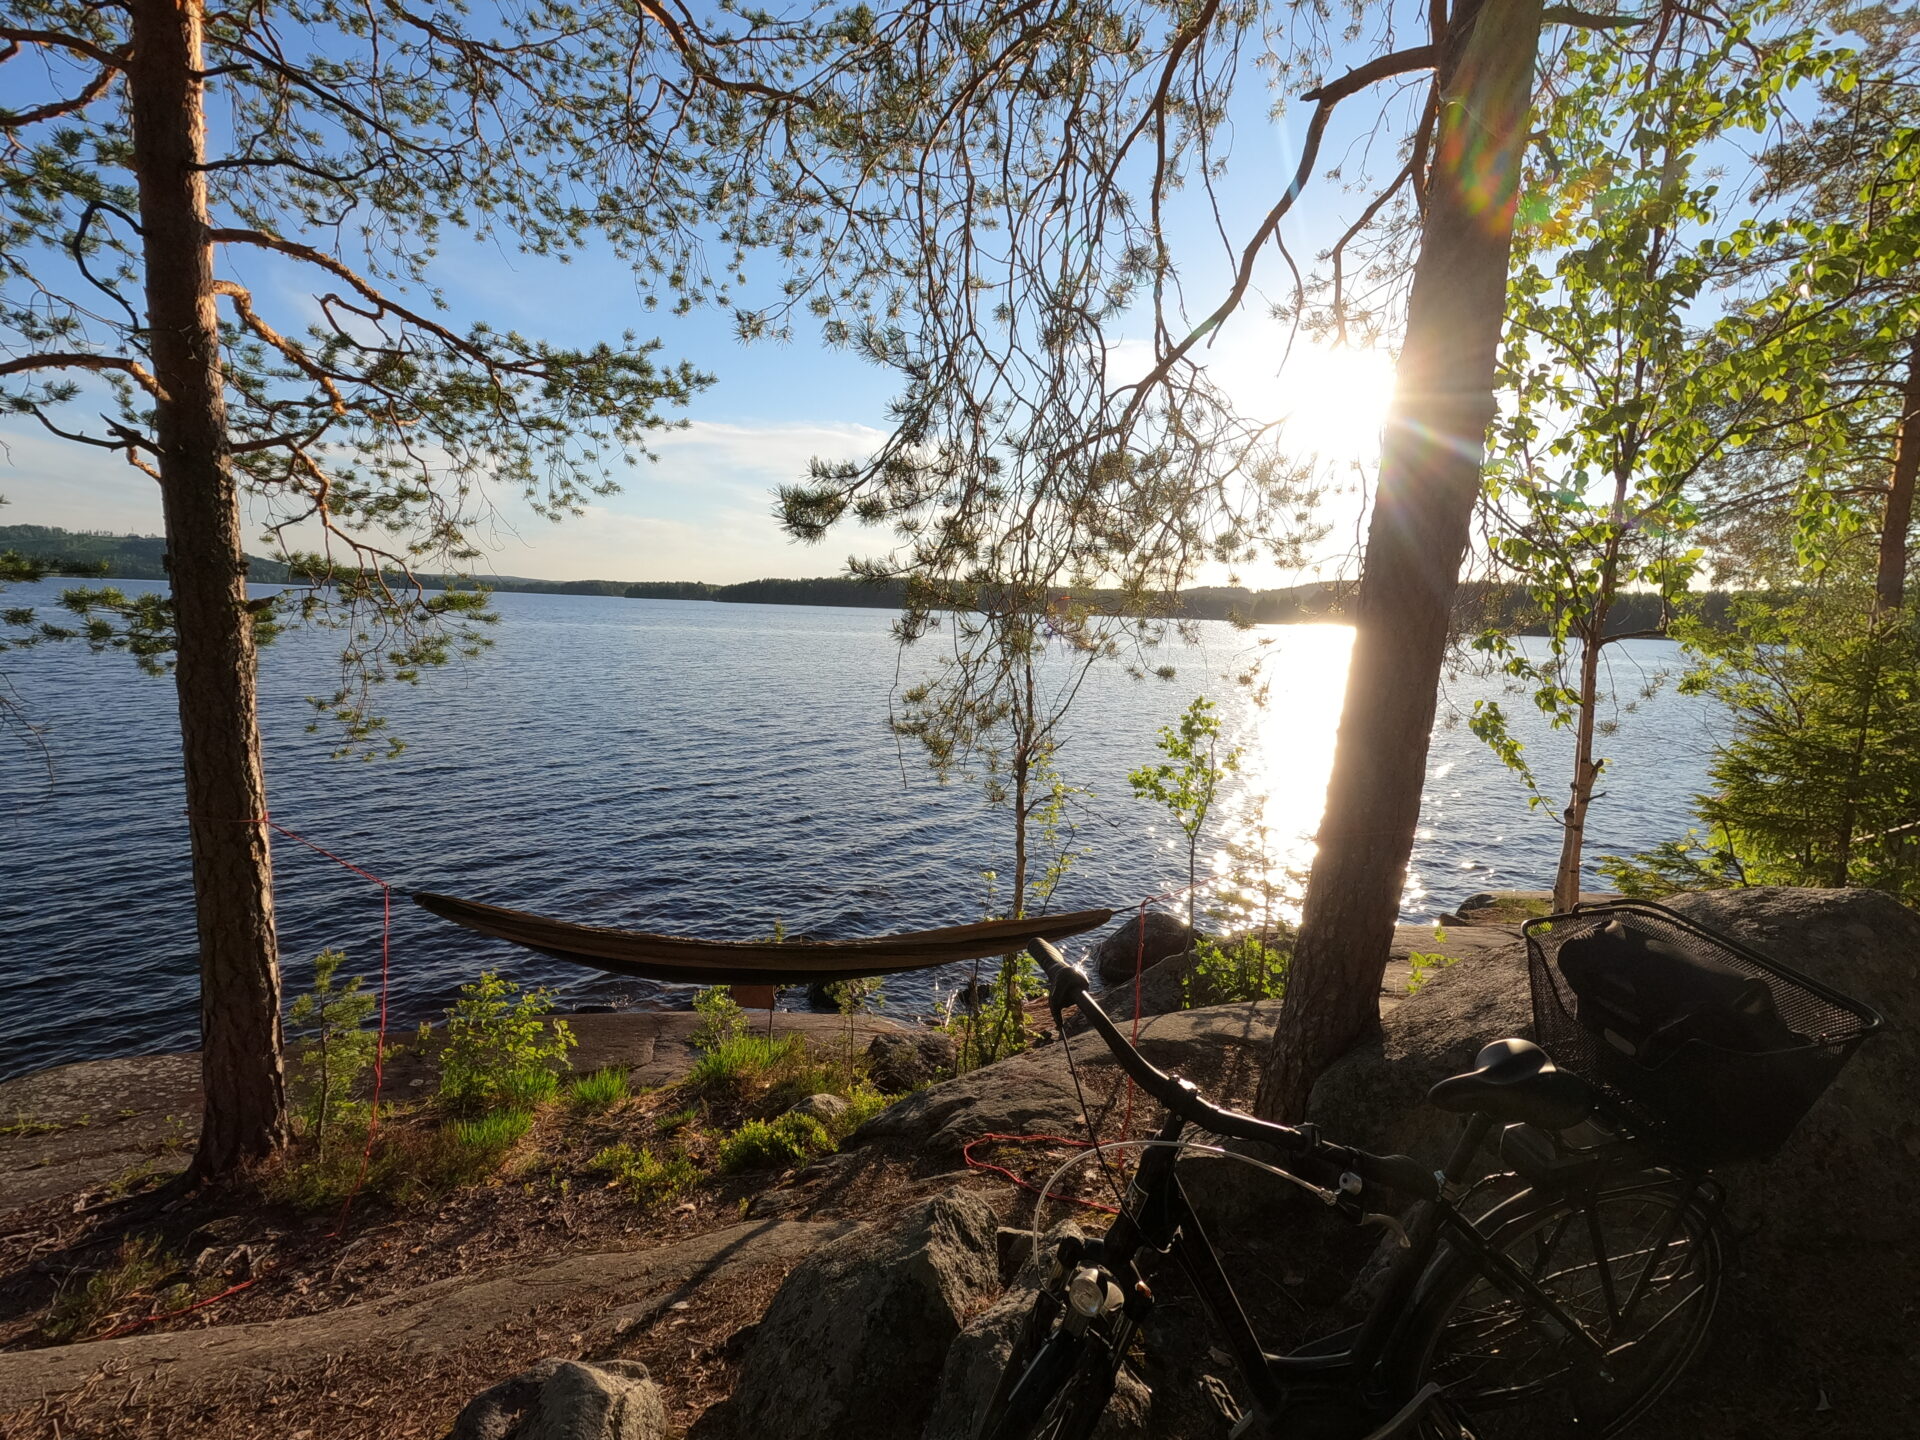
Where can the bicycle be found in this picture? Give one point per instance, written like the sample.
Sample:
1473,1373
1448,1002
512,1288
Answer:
1574,1303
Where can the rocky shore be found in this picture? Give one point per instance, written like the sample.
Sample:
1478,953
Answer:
869,1294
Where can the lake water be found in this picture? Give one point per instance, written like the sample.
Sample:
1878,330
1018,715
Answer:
693,768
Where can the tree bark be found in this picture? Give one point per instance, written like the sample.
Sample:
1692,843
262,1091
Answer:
1890,583
1573,838
1586,772
1429,482
244,1115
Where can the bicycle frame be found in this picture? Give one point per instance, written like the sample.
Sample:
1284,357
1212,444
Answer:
1342,1386
1158,1216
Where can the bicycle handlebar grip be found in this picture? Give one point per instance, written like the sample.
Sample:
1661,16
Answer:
1066,985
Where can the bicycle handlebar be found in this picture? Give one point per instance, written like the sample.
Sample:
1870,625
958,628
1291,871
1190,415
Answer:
1068,985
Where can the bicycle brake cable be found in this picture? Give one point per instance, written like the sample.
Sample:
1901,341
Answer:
1086,1118
1324,1196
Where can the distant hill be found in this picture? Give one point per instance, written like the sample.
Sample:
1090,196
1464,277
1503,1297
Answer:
102,553
138,557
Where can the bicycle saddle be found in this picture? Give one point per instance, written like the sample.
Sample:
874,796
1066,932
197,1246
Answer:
1515,1080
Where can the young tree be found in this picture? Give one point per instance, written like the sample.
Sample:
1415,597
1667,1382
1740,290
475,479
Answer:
1612,414
219,228
1187,783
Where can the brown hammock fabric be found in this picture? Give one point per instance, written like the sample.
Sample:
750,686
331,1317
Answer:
746,962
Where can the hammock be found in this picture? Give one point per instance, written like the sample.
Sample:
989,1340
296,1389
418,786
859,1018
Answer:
747,962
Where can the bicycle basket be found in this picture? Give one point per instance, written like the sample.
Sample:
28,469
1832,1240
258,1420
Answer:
1726,1050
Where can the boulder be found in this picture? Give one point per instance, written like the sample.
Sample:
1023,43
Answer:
1218,1048
1833,1214
979,1355
1117,956
1375,1095
903,1062
567,1400
1162,989
824,1108
854,1340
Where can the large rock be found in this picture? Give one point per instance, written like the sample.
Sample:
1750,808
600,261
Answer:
568,1400
1832,1215
1375,1095
854,1341
899,1063
1117,956
979,1355
1032,1093
1161,989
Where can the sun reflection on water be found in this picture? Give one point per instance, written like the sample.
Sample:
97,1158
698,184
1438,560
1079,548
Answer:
1287,746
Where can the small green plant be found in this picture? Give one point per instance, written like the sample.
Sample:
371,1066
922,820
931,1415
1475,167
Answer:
1245,969
500,1048
25,1127
77,1310
339,1047
644,1176
863,1103
678,1120
774,1144
737,1068
1423,965
852,996
721,1018
1188,782
600,1091
490,1136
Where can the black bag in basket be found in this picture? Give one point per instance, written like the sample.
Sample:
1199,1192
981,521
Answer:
1644,998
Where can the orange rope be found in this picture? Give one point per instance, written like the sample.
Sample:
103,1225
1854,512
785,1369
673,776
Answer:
966,1154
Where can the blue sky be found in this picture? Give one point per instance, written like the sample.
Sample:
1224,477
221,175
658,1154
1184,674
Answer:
702,509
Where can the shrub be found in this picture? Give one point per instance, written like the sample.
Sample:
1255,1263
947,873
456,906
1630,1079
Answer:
774,1144
644,1176
721,1018
602,1090
1241,970
863,1103
339,1047
500,1049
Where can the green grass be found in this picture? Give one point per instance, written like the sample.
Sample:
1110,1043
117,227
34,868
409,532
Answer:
491,1135
775,1144
80,1309
409,1164
779,1069
646,1178
600,1091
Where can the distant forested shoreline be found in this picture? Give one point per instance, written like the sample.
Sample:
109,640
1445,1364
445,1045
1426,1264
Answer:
1505,607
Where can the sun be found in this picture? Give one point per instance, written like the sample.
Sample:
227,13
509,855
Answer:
1332,403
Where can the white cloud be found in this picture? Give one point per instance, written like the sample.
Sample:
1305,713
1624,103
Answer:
702,511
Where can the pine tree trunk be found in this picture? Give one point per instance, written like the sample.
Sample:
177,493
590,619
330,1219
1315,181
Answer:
244,1114
1429,481
1890,584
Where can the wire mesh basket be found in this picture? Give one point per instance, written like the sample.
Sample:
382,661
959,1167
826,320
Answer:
1700,1102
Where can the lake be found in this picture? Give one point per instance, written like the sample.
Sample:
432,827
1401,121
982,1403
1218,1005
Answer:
694,768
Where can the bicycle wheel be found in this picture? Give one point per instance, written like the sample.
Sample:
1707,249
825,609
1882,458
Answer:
1637,1267
1060,1396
